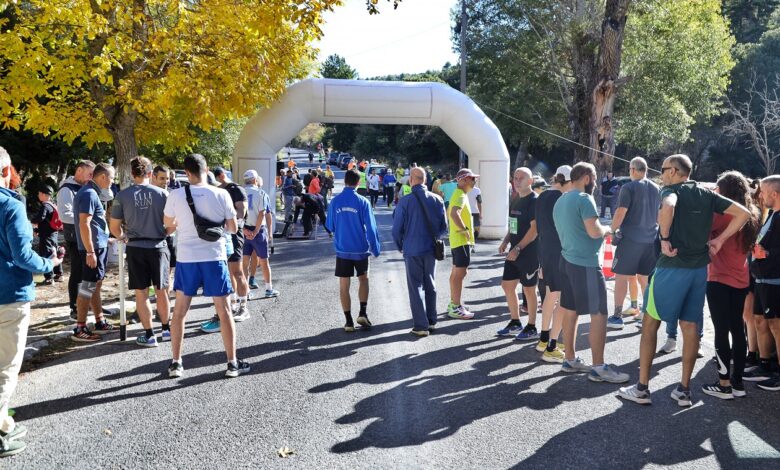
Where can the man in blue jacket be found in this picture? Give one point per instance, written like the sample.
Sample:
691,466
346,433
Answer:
355,238
415,219
17,263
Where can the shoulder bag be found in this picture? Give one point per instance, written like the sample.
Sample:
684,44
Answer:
207,230
438,244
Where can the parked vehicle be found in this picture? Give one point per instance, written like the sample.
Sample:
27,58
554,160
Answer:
345,158
333,158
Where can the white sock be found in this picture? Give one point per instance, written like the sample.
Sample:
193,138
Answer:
268,286
234,362
178,360
242,300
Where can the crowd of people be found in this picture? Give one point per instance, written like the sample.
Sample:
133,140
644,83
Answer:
682,243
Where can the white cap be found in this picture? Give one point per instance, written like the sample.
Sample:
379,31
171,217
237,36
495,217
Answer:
565,171
250,174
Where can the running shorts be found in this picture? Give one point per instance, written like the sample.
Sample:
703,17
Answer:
98,273
212,276
677,294
634,258
148,267
552,271
238,246
583,289
351,267
524,269
767,300
258,245
461,256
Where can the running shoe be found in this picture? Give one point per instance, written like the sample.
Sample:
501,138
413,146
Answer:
631,312
461,313
772,384
363,321
577,365
253,283
9,448
58,278
73,314
606,373
759,374
241,314
681,397
20,430
175,369
431,327
751,363
738,390
145,342
541,346
555,356
269,293
615,322
235,371
633,393
103,327
84,335
420,333
210,326
511,329
45,282
669,346
718,391
349,328
165,336
529,333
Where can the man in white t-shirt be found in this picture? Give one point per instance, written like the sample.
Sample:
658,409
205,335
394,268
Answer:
259,220
201,263
475,201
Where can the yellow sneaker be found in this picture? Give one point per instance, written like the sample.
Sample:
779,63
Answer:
631,312
555,356
541,346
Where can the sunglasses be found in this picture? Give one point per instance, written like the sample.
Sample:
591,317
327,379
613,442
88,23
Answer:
664,168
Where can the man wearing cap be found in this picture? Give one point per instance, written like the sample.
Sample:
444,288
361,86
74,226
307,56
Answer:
635,227
47,235
583,290
461,241
237,276
549,247
258,229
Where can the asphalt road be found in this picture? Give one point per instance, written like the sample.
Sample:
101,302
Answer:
461,398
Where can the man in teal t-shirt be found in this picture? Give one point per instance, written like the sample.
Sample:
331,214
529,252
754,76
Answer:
583,290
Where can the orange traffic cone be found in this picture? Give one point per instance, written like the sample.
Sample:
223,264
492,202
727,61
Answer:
606,265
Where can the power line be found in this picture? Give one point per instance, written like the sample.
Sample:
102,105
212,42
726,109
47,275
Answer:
556,135
395,41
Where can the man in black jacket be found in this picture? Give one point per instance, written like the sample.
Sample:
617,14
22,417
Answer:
312,205
766,267
47,235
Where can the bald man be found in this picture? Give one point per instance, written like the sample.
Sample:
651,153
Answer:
522,260
418,220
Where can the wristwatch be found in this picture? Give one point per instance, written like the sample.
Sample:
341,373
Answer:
665,239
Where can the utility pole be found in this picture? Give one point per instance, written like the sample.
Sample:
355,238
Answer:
464,20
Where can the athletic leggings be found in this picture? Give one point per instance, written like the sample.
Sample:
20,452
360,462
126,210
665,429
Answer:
726,304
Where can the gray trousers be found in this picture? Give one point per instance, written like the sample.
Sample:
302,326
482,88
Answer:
421,283
288,207
14,320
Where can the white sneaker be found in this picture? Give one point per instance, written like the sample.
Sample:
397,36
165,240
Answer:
670,346
241,314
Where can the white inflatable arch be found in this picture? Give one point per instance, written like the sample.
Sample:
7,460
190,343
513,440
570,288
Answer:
375,102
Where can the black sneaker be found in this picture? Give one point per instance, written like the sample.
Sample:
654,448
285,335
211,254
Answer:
175,369
751,363
772,384
73,314
757,375
235,371
718,391
363,321
738,389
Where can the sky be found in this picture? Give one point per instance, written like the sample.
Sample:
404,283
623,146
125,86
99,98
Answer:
413,38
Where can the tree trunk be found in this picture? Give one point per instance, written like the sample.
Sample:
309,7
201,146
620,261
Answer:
125,146
605,84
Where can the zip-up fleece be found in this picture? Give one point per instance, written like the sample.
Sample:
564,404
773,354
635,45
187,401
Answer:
352,222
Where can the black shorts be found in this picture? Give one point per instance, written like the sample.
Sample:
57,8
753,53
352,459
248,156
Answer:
767,300
238,246
461,256
148,267
584,289
524,269
552,271
351,267
634,258
98,273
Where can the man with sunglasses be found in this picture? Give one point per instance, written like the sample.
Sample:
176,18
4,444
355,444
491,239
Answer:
679,283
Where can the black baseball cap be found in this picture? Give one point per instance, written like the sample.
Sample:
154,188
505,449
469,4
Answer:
218,171
46,189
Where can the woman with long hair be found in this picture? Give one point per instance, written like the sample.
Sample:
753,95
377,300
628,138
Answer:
727,287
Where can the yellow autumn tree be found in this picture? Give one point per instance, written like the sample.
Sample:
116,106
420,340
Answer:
152,72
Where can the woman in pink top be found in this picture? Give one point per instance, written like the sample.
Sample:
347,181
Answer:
727,286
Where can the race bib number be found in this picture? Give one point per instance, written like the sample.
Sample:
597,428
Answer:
513,226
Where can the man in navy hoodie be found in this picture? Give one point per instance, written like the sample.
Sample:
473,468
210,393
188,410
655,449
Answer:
355,238
417,221
17,263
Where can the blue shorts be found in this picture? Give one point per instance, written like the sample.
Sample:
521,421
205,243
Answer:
258,245
677,294
212,276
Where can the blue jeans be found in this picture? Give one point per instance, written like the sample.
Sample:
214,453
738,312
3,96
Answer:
420,281
671,329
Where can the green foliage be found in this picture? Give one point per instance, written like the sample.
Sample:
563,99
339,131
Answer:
336,66
749,18
678,57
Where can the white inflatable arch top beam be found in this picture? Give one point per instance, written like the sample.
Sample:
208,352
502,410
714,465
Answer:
375,102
